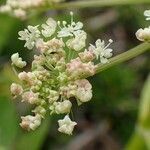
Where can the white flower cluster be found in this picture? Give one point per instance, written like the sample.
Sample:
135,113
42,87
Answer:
144,34
19,8
57,73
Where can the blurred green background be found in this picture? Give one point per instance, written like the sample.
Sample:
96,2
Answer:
111,120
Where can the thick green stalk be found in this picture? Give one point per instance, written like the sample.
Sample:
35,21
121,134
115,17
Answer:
96,3
141,136
124,56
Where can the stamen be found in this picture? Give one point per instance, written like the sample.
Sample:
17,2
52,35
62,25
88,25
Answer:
110,41
64,23
58,22
71,14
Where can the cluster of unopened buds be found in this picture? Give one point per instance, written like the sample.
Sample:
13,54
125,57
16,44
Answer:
58,71
144,34
19,8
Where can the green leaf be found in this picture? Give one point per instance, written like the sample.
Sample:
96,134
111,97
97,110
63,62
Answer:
144,112
8,122
141,137
136,143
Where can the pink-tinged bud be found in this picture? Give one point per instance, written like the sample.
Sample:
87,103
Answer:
89,68
84,83
74,65
23,76
77,68
39,59
30,97
29,77
16,89
87,56
68,91
30,122
55,44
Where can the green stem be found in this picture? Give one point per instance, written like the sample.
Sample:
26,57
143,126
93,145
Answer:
96,3
14,70
124,56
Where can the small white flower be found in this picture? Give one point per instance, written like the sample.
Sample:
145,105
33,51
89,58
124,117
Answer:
63,107
147,14
143,34
69,29
49,28
30,35
78,42
101,51
66,125
17,61
30,122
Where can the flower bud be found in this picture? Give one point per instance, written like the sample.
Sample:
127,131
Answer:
62,78
63,107
16,89
40,110
29,77
17,61
30,97
53,96
77,68
87,56
30,122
